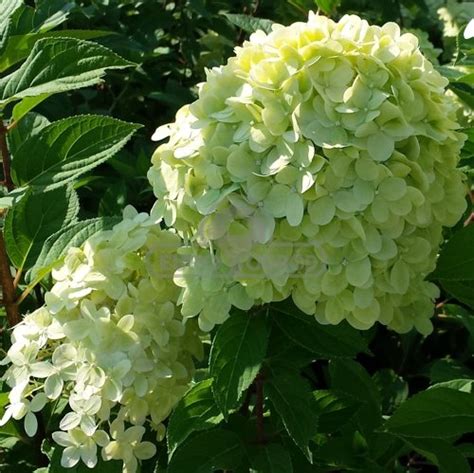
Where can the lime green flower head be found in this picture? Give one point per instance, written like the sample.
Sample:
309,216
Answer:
111,341
319,162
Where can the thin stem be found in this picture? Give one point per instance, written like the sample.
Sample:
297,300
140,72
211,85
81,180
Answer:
6,161
11,306
259,381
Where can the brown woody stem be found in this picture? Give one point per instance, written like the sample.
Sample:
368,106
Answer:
11,306
6,161
6,279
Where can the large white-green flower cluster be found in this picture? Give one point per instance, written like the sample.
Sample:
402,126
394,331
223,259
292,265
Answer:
111,341
319,162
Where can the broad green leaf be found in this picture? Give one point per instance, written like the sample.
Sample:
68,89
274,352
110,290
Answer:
237,352
448,458
351,378
68,148
53,67
292,399
435,413
207,452
7,9
464,91
196,411
465,385
34,219
455,268
392,388
463,291
250,24
334,410
326,341
19,47
46,15
56,246
456,262
30,126
22,108
271,458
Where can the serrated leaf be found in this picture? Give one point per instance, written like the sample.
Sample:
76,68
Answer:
46,15
271,458
207,452
334,410
68,148
327,341
7,9
292,399
250,24
448,458
196,411
435,413
237,353
53,67
30,126
351,378
463,291
19,46
36,217
464,385
56,246
455,263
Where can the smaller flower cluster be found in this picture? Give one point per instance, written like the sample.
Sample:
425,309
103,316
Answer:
110,341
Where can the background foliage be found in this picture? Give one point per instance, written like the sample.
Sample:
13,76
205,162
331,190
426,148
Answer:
300,397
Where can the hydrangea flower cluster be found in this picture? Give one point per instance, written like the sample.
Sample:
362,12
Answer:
111,341
319,162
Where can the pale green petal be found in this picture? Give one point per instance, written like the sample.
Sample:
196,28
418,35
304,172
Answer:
358,272
380,146
322,210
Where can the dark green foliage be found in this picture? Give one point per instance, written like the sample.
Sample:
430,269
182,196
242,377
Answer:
281,393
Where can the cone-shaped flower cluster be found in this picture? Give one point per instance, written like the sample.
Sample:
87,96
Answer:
109,340
320,163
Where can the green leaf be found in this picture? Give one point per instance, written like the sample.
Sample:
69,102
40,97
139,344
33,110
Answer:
327,341
34,219
53,67
248,23
21,109
30,126
334,410
292,399
455,263
18,47
435,413
196,411
465,385
448,458
207,452
68,148
56,246
351,378
392,388
47,15
463,291
7,9
237,352
328,6
271,458
455,268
